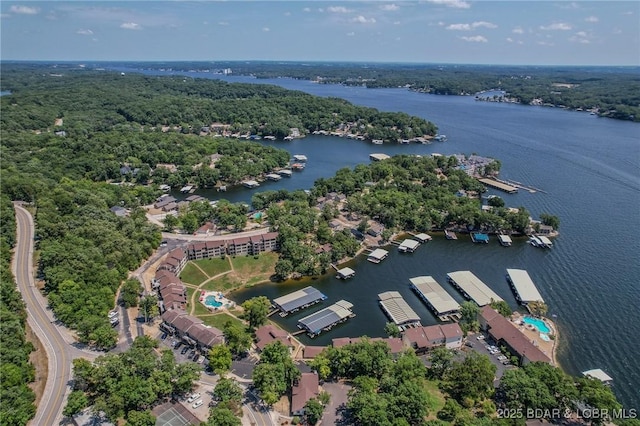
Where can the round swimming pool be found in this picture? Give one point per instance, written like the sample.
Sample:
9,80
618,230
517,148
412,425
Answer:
212,302
537,323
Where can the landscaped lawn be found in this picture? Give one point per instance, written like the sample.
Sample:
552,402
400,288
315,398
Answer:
200,309
215,266
190,291
224,283
192,275
437,398
219,320
248,268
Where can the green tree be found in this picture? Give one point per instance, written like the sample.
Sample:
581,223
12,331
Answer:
130,292
471,378
496,202
391,330
149,307
441,362
321,365
76,402
538,308
256,310
550,220
450,410
469,316
313,411
220,359
237,338
502,307
140,418
222,416
522,391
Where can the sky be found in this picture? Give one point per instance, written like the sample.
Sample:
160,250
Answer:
425,31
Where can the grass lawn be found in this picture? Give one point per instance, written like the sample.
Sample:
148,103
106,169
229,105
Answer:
192,275
219,320
437,398
200,309
213,267
190,291
224,283
247,268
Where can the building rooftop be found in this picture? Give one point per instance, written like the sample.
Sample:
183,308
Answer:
524,287
346,272
408,245
323,318
473,287
397,308
429,289
378,254
598,374
297,299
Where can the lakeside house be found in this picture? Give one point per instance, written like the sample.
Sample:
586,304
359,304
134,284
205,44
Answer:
422,339
270,333
304,389
191,330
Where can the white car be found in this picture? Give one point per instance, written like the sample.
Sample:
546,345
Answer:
480,337
193,397
197,404
113,314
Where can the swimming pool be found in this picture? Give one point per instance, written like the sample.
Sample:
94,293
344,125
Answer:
537,323
212,302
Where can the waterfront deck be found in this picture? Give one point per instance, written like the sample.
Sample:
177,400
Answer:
472,288
408,246
598,374
498,185
398,310
523,286
299,299
285,172
300,158
377,256
327,318
436,297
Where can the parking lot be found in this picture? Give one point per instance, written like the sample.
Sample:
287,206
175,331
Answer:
482,346
182,351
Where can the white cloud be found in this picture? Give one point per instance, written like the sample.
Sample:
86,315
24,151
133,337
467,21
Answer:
131,26
475,39
591,19
396,22
306,9
338,9
4,15
287,14
518,30
469,27
545,43
24,10
457,4
556,26
351,34
84,32
223,23
266,29
389,7
362,20
580,37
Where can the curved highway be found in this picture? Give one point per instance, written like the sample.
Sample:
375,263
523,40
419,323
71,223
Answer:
59,351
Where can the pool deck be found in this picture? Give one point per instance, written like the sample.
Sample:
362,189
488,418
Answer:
225,303
549,348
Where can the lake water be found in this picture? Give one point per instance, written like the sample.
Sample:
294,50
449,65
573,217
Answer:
589,168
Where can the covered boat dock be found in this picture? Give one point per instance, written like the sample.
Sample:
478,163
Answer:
299,299
523,286
345,273
398,310
326,318
436,297
472,288
498,185
408,246
378,255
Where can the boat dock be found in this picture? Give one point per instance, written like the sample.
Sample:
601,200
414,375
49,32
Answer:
408,246
505,240
285,172
378,157
325,319
450,235
531,189
540,241
300,158
422,237
187,189
599,375
297,166
345,273
436,298
297,300
273,176
398,310
498,185
472,288
377,256
523,286
478,237
250,184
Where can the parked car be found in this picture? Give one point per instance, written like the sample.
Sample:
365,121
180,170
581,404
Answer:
184,350
113,314
197,403
163,336
193,397
480,337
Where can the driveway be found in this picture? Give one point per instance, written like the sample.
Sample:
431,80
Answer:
339,392
480,346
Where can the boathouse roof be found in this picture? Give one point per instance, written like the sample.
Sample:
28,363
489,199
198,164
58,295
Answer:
297,299
523,285
473,287
435,294
397,308
326,317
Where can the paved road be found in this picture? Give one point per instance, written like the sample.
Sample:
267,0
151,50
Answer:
56,341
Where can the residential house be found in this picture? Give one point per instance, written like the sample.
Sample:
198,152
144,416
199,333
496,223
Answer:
175,261
375,229
269,334
239,246
452,335
306,388
422,339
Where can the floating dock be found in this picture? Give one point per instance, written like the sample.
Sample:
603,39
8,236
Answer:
378,157
545,241
345,273
523,286
187,189
273,176
300,158
299,299
450,235
408,246
285,172
505,240
478,237
250,184
498,185
599,375
472,288
422,237
436,297
398,310
540,241
377,256
326,318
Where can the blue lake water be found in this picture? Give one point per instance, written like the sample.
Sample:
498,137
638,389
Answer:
589,168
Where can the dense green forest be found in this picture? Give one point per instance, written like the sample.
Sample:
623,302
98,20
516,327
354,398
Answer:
16,372
613,91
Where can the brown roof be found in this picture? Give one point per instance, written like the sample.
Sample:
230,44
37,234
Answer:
270,333
395,344
270,236
416,337
177,254
310,352
198,246
170,316
205,335
341,341
214,244
241,240
434,333
451,331
501,328
304,390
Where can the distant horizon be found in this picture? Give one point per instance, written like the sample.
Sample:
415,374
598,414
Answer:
488,32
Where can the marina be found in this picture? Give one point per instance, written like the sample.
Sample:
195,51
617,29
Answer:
408,246
188,189
498,185
297,166
327,318
297,300
378,255
505,240
436,298
478,237
472,288
398,310
345,273
524,288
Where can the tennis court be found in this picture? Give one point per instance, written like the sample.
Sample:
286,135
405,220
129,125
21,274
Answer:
176,415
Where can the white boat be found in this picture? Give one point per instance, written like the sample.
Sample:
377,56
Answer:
440,138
